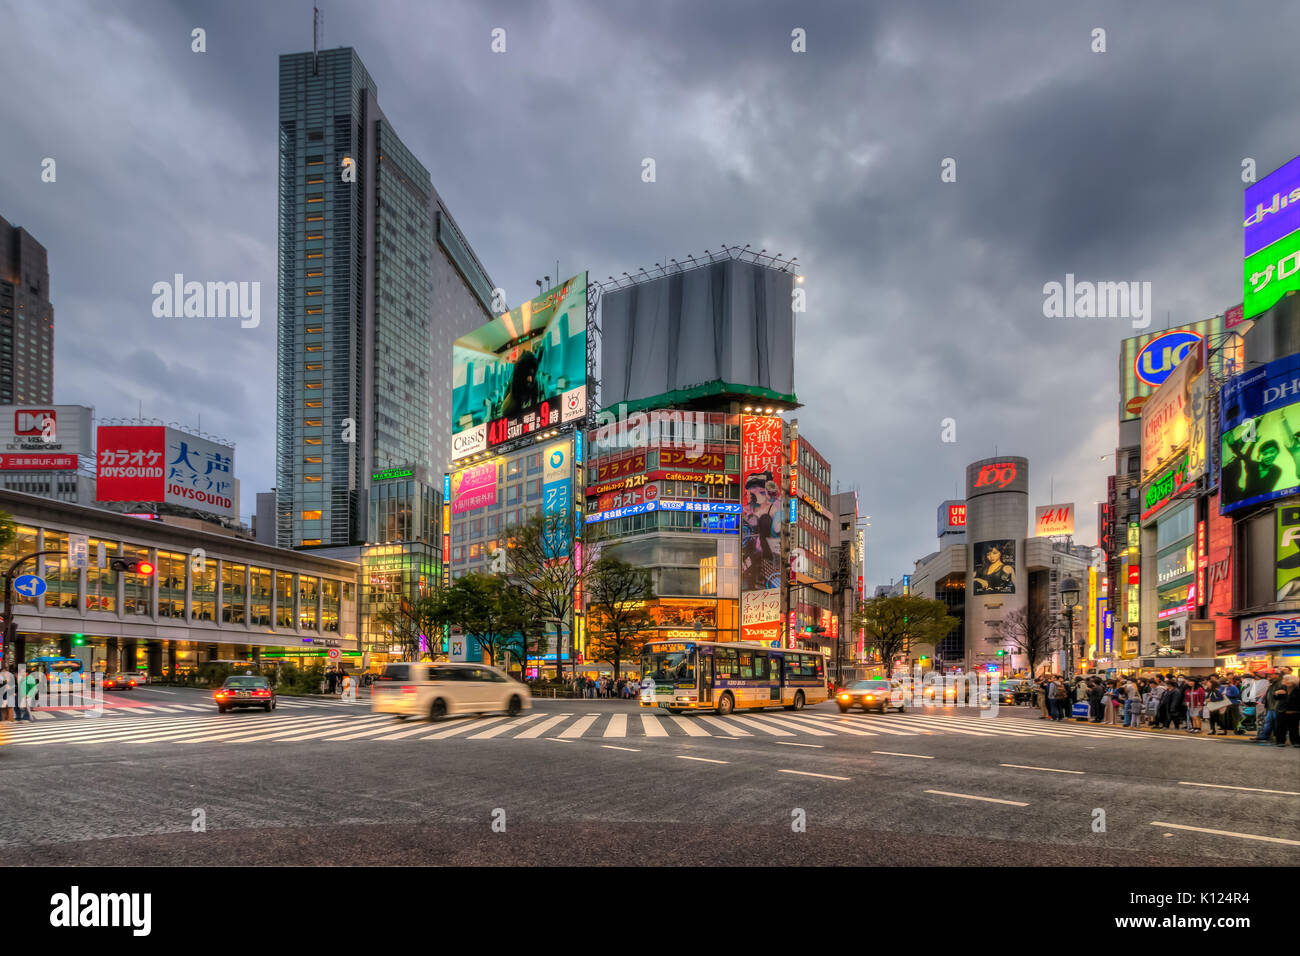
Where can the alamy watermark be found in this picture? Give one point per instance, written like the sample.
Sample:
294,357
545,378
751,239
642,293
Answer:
179,299
38,690
662,429
1098,300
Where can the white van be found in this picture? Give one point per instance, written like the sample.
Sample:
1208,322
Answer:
436,690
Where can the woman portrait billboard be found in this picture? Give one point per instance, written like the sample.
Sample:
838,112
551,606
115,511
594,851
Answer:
995,567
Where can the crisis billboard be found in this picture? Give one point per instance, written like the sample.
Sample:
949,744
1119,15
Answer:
160,464
523,372
1260,445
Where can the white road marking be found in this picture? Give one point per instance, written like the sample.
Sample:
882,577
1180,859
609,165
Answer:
652,726
502,728
723,725
890,753
1242,836
1019,766
839,725
580,728
617,726
541,728
456,725
791,743
751,722
805,773
691,726
631,750
423,728
969,796
804,727
1224,786
560,740
700,759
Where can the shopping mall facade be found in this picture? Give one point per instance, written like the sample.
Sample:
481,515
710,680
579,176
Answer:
213,597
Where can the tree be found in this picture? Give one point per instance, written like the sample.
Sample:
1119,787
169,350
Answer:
617,595
1030,632
895,624
483,607
529,641
539,564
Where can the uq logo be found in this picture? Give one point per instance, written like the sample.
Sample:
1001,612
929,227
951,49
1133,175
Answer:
1159,357
1001,474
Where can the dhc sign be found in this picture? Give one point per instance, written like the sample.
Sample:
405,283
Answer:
1161,356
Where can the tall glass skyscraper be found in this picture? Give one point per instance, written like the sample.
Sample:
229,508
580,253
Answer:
375,282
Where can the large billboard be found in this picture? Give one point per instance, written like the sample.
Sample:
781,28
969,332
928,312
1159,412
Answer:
155,463
1053,520
1272,209
523,372
1270,274
557,494
1145,361
726,327
995,567
474,487
952,517
761,514
1167,415
43,437
1260,451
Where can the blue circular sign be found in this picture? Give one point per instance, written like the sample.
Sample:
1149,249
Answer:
29,585
1159,357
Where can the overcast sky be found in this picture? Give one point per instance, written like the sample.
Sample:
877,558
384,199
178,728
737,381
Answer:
925,298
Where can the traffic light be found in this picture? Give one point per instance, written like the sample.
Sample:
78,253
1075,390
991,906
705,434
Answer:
132,567
78,639
1002,652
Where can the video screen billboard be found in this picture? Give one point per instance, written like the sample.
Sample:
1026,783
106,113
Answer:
761,459
995,567
1270,274
1272,208
522,372
1260,447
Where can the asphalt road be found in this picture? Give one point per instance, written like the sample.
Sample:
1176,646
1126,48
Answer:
577,782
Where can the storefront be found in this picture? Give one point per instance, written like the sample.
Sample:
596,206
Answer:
1270,641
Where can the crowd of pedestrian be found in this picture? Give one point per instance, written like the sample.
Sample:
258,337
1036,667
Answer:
1266,703
605,687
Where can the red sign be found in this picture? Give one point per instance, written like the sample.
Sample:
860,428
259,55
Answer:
1134,575
38,462
130,461
1234,316
30,422
705,461
622,499
619,467
956,516
1001,474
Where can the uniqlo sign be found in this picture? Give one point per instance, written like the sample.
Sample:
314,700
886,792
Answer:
154,463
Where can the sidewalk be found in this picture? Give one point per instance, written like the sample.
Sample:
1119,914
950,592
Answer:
1031,713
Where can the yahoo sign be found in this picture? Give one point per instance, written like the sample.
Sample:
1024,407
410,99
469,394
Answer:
1272,208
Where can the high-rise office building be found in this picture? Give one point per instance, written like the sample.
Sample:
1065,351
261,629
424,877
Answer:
375,282
26,319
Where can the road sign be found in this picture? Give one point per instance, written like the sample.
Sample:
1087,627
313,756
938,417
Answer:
29,585
78,550
332,653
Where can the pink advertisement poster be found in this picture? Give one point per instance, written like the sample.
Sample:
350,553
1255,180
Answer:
474,487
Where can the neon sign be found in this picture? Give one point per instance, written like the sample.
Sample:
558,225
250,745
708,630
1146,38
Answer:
1163,489
1001,474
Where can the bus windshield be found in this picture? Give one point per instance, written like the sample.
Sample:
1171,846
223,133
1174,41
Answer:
669,666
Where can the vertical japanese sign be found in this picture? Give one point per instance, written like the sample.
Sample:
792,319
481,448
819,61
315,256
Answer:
760,527
200,473
1288,552
557,495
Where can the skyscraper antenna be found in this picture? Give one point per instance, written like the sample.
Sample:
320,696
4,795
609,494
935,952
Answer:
315,40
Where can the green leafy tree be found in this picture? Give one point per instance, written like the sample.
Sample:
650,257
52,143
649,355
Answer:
894,625
617,619
7,532
539,566
483,607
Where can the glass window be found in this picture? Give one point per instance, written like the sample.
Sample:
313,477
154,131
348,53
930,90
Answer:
137,589
101,583
203,592
724,663
171,583
283,599
233,596
61,581
260,586
307,588
24,543
746,664
329,613
1175,526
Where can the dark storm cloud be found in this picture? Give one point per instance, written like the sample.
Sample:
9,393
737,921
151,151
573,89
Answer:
925,298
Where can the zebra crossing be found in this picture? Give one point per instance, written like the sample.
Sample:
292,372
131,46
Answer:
298,722
125,710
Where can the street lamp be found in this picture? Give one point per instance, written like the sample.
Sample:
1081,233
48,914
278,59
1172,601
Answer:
1070,598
